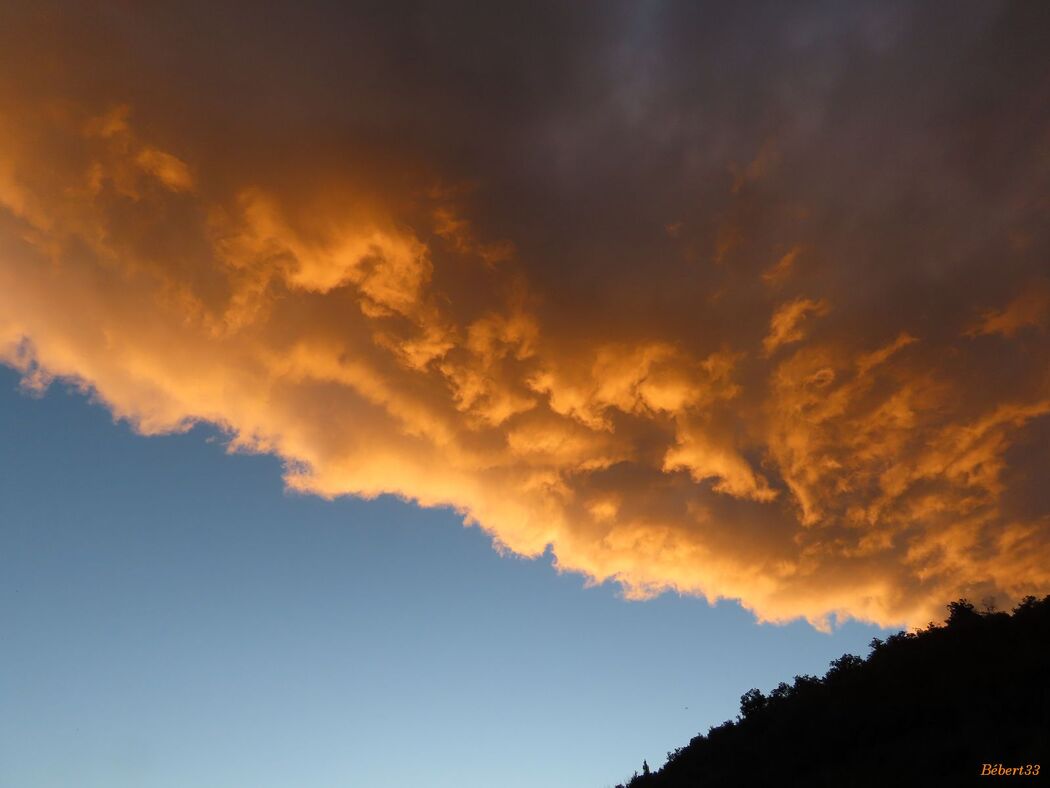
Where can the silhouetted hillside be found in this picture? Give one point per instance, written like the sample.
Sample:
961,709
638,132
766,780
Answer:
928,708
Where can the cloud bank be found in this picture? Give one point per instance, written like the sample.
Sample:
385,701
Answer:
742,303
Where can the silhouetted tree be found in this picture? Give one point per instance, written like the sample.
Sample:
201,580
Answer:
962,613
927,707
751,703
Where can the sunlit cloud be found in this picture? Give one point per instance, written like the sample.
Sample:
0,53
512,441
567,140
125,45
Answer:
1031,309
788,322
819,389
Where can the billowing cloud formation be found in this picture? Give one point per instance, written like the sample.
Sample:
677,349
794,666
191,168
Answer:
740,303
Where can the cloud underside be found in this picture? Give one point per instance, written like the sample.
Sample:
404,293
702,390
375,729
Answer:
757,356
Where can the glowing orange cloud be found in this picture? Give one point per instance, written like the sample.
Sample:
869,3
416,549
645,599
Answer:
719,426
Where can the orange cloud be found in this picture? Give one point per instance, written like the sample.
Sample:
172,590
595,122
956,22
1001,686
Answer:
785,326
1030,309
524,349
781,270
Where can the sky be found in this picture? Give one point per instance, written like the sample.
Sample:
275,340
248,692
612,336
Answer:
172,617
669,303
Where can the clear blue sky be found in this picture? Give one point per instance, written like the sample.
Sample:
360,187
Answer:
171,617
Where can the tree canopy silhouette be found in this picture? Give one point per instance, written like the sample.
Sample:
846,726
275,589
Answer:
931,707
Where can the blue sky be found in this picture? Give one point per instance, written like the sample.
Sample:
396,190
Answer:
172,617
